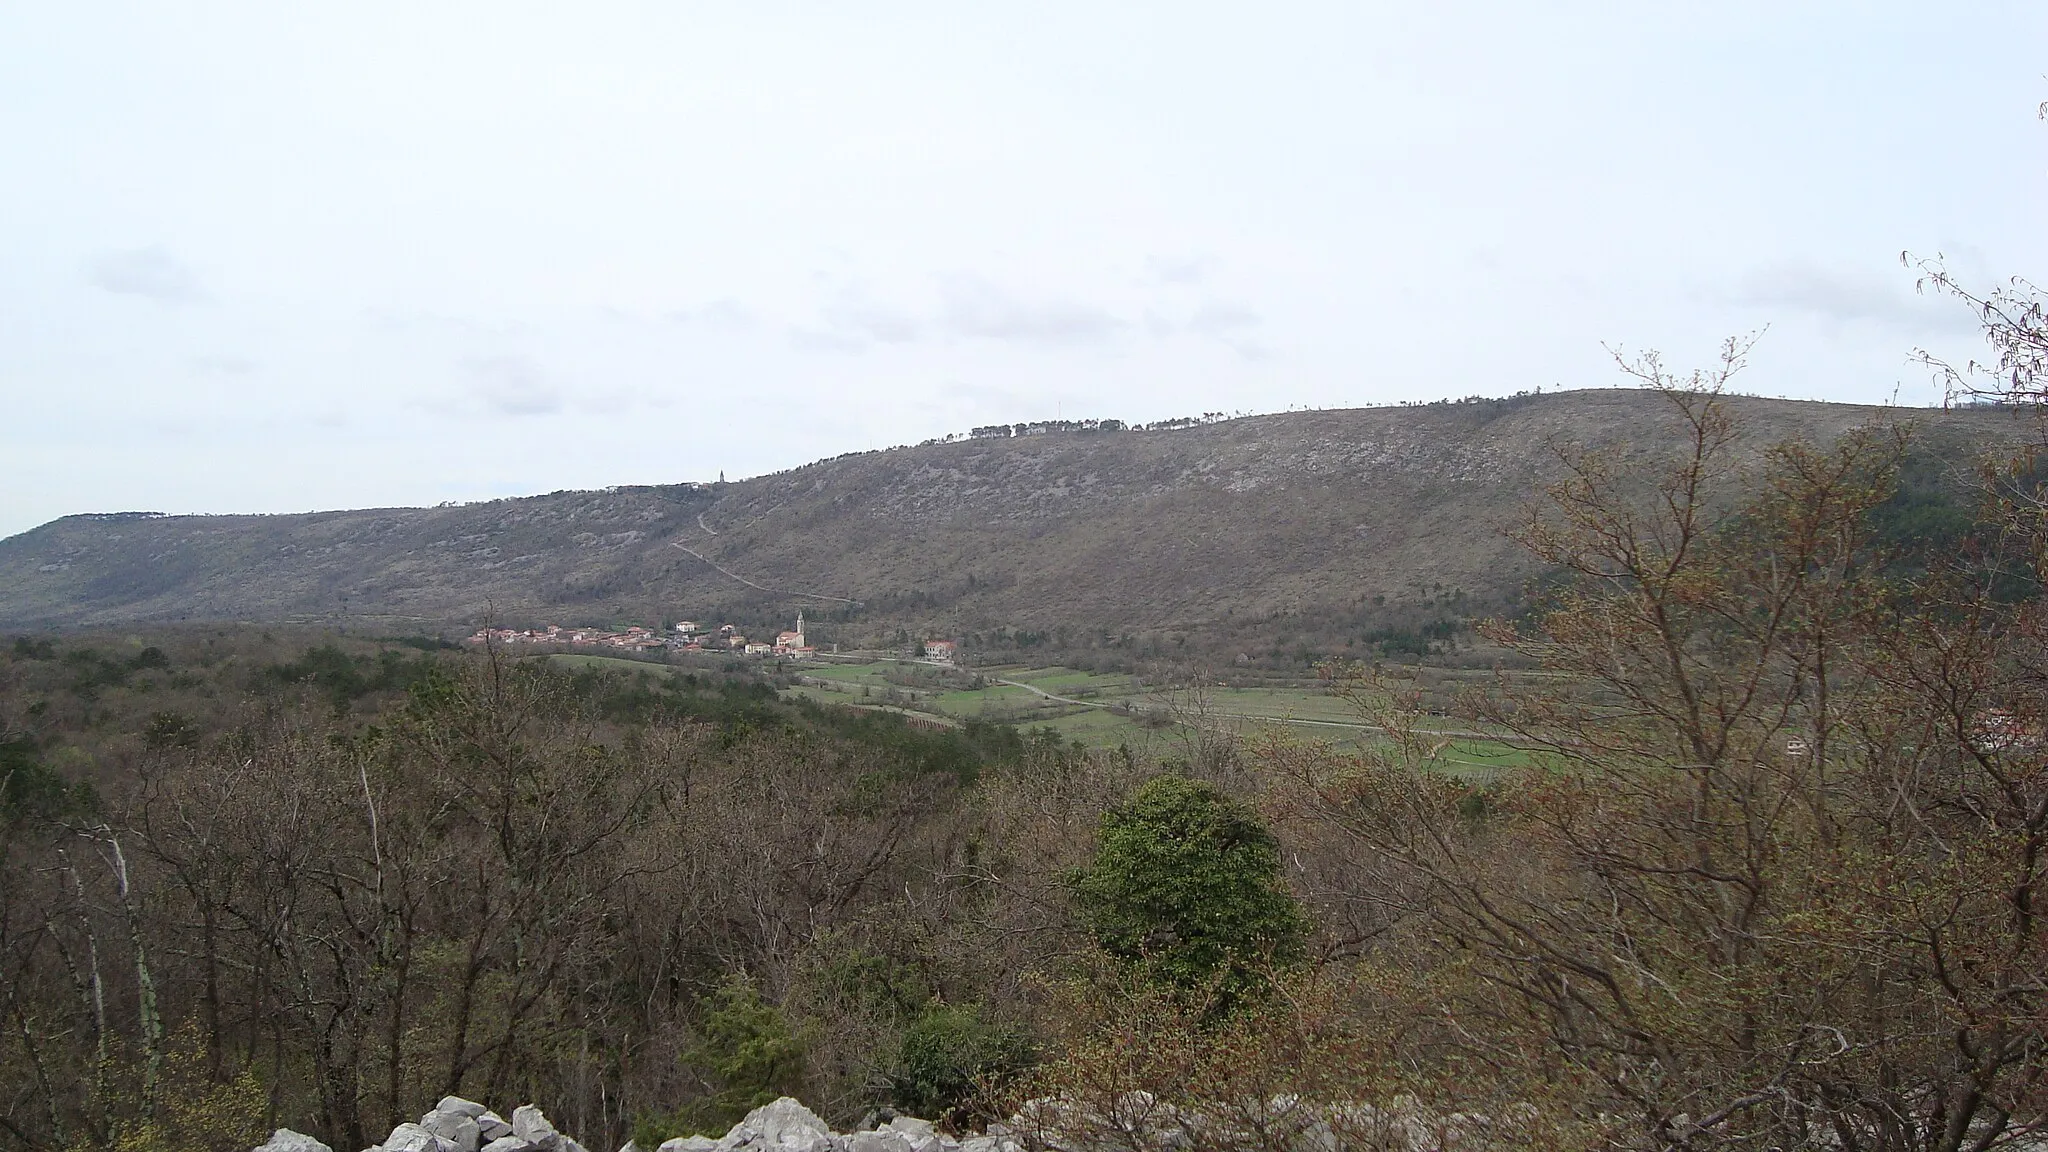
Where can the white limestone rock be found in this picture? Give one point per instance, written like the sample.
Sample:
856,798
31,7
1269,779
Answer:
413,1138
493,1126
920,1134
785,1125
689,1144
508,1144
882,1140
469,1108
286,1140
455,1127
530,1124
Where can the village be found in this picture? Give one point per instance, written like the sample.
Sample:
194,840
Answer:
684,636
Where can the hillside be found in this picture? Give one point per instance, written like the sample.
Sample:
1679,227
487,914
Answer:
1217,528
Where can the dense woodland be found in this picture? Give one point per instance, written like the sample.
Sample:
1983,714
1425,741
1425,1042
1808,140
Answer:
1775,880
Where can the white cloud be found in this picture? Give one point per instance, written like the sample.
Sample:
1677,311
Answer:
973,307
512,386
1843,297
151,273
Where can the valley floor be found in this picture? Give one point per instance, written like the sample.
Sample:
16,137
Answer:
1106,711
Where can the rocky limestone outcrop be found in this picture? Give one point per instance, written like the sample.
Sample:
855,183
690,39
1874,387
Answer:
788,1126
454,1125
458,1125
1134,1120
286,1140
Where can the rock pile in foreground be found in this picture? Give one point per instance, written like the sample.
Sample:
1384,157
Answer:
787,1126
458,1125
1133,1120
455,1125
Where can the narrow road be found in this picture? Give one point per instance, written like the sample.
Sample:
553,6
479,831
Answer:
706,527
762,587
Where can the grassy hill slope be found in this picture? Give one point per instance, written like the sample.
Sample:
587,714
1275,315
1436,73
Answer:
1217,528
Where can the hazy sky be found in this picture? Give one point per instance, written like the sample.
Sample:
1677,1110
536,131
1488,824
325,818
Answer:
279,257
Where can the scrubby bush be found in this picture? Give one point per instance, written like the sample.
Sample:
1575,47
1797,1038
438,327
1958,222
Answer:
949,1056
1185,888
749,1053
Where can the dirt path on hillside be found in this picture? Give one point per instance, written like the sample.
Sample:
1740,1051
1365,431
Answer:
763,587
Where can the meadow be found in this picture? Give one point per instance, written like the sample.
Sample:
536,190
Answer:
1106,711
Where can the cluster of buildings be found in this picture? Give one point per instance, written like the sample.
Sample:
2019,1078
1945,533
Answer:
690,636
687,636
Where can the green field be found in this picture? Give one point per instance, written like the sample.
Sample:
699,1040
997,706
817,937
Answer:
606,663
1106,711
1065,681
851,673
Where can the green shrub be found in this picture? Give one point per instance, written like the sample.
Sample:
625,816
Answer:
949,1055
194,1110
168,729
1186,888
32,789
27,648
747,1050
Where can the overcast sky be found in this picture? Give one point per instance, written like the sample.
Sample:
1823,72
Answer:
278,257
